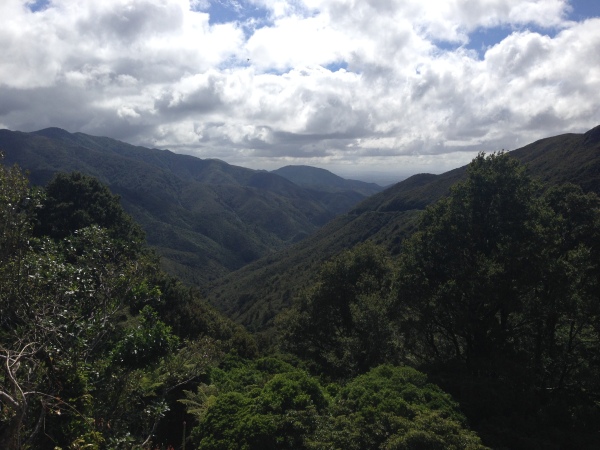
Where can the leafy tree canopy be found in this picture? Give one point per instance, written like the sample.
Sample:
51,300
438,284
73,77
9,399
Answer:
74,201
85,359
343,322
502,279
268,404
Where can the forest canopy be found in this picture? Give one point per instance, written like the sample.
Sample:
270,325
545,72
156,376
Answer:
495,295
483,331
89,358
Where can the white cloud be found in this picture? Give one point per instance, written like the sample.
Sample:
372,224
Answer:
325,82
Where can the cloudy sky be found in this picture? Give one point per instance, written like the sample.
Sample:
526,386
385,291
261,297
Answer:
359,87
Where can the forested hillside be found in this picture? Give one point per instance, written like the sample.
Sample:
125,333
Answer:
95,340
101,350
254,294
495,296
204,217
312,177
469,322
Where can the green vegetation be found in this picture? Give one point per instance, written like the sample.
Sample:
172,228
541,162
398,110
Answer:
255,294
495,295
473,324
500,289
205,218
342,323
269,404
74,201
314,178
86,359
99,347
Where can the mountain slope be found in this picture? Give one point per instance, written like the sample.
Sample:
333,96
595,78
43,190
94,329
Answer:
257,292
336,193
205,217
313,177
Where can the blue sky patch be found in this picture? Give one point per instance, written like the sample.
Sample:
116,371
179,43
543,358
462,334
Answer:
584,9
334,67
38,5
483,38
224,11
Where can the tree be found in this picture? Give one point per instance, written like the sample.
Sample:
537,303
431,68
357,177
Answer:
133,401
501,284
74,201
343,322
85,355
60,300
62,315
16,204
268,404
465,273
265,404
394,408
563,314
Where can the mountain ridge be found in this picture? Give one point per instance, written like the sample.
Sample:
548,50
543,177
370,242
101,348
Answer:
204,216
315,177
254,294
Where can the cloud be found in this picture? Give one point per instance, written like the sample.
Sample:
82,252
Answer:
333,83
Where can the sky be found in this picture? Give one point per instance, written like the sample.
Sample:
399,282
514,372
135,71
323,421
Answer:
369,89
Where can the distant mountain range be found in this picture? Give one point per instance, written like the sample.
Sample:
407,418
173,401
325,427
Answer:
205,217
254,294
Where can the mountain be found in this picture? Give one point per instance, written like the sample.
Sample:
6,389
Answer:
324,180
254,294
336,193
204,217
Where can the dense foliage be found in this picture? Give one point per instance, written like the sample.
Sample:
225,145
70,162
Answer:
204,217
256,293
343,323
488,319
269,404
86,359
504,280
496,295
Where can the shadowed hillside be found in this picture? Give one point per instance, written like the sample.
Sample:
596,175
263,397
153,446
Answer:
205,217
256,293
313,177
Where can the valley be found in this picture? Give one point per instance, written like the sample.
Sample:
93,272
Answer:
457,310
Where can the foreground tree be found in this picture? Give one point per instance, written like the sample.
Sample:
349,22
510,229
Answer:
17,380
343,323
269,404
261,404
85,360
59,303
74,201
466,270
503,279
394,408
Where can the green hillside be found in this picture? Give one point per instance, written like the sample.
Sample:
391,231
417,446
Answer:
206,218
322,179
255,294
455,311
